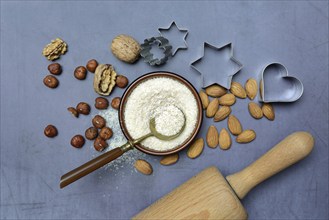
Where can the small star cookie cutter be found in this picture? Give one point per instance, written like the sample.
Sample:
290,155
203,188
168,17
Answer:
185,31
162,43
215,76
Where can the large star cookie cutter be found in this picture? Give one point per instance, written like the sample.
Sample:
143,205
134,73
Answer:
181,30
211,74
278,86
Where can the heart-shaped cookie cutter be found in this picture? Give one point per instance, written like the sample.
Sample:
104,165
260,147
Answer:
290,90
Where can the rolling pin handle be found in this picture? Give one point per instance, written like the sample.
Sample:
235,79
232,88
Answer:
289,151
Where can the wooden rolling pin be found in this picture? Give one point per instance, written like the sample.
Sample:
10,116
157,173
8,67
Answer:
209,195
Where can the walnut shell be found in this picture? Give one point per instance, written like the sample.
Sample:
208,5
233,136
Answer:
104,79
125,48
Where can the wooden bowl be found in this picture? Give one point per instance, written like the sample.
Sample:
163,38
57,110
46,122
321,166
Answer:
143,78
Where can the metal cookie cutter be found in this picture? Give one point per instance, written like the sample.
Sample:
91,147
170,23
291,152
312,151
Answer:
162,43
277,86
183,31
212,72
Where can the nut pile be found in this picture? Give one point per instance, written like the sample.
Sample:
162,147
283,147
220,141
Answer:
126,49
99,132
219,108
99,136
105,79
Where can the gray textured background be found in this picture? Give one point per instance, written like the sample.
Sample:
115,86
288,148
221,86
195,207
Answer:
294,33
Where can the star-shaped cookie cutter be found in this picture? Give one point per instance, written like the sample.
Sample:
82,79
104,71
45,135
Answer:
162,43
173,23
215,78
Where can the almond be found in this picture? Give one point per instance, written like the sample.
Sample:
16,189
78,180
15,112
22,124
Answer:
268,111
215,90
227,99
169,159
251,88
254,110
222,113
261,89
196,148
212,108
224,139
237,90
204,99
144,167
212,137
246,136
234,125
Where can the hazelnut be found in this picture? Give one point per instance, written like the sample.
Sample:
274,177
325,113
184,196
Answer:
116,102
78,141
100,144
51,81
98,121
101,103
121,81
50,131
80,72
91,133
106,133
92,65
73,111
83,108
55,68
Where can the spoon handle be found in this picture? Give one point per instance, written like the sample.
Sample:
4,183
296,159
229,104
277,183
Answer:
91,166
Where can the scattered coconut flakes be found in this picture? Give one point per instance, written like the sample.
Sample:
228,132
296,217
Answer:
169,120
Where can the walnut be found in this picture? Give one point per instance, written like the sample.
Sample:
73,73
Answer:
55,49
104,79
125,48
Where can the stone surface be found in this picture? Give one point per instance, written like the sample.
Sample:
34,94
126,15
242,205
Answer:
293,33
